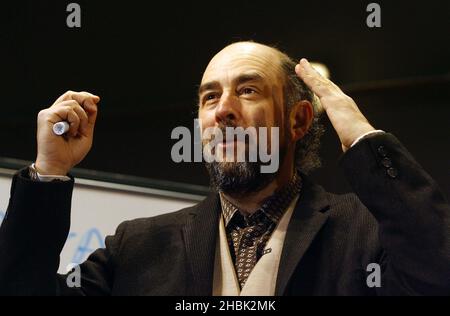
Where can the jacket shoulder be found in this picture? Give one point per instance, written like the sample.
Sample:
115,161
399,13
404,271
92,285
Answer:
172,219
348,207
350,221
167,221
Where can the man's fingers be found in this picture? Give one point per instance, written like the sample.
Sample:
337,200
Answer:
86,104
84,120
85,99
68,114
92,116
80,97
314,80
89,103
74,121
61,110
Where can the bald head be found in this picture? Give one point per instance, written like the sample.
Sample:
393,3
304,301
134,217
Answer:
265,59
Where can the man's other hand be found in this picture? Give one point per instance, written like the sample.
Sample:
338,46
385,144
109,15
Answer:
58,154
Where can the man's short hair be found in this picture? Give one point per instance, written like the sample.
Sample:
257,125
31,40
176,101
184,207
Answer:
307,156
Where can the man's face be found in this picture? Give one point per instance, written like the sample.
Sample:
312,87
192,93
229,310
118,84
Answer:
242,87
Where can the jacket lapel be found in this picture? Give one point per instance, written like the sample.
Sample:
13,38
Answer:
201,231
307,220
200,236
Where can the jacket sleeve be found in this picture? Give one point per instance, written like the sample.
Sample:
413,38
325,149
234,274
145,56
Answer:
32,235
412,213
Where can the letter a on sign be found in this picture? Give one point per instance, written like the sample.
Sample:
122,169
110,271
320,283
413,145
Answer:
74,18
374,18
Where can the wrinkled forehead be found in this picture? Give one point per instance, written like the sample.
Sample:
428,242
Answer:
236,60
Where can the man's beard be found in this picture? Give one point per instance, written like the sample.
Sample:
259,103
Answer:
238,178
241,178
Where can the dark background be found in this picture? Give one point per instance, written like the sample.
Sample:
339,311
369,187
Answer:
145,59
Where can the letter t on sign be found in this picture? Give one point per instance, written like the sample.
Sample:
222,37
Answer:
74,18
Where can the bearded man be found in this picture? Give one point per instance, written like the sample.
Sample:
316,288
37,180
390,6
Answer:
258,233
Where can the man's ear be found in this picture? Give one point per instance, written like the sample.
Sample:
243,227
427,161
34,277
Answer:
301,118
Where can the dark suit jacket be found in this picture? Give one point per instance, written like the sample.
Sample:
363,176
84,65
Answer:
398,219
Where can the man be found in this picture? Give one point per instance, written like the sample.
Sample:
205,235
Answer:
261,234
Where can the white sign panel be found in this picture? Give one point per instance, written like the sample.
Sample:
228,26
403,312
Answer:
96,213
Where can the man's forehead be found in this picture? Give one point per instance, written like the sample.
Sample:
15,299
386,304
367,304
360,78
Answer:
239,78
240,59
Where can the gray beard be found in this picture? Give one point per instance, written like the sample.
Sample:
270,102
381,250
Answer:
240,178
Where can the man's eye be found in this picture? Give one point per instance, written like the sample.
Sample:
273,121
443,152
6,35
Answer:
209,98
247,91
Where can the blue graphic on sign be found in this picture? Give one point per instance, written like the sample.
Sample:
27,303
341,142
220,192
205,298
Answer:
89,242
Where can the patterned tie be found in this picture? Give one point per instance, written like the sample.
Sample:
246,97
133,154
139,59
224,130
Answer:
248,235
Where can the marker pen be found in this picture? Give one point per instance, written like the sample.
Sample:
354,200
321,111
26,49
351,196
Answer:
61,128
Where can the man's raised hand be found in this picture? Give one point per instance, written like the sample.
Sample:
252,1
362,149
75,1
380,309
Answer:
344,114
58,154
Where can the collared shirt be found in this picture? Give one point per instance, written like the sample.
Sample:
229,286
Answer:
248,235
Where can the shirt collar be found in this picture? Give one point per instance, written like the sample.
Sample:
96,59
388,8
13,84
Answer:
273,207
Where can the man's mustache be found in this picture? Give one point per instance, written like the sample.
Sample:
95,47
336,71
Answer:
223,130
222,127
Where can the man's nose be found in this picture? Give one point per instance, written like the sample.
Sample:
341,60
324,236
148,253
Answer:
228,108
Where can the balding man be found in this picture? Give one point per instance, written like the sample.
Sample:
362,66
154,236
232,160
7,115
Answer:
259,233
